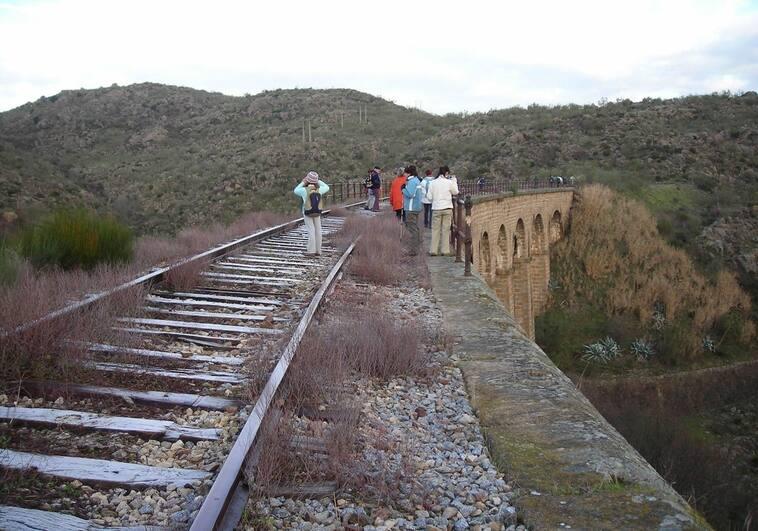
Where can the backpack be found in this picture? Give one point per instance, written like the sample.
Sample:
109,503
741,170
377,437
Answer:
313,201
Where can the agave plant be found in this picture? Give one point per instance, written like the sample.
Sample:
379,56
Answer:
612,349
709,345
594,353
659,320
643,349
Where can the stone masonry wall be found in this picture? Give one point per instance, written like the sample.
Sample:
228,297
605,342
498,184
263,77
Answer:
511,234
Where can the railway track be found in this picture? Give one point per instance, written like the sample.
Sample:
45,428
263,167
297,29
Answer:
150,428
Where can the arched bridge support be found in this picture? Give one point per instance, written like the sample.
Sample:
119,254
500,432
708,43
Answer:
511,239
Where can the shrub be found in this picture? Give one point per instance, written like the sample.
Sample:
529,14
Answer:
76,238
53,349
624,267
8,264
186,276
678,343
603,351
562,332
379,256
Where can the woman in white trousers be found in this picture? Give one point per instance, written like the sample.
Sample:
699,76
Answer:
312,214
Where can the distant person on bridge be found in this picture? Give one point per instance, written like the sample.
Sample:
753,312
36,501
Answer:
412,192
441,192
427,202
396,194
311,190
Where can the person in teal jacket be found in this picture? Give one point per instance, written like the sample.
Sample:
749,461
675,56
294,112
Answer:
311,190
412,195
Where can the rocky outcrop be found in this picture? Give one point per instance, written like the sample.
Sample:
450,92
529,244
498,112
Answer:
734,239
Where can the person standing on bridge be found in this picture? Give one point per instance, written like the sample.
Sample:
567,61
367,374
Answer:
375,189
396,194
412,192
441,192
311,189
427,202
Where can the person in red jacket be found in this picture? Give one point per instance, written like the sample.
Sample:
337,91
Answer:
396,195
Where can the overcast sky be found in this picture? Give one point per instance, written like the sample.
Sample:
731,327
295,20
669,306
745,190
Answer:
442,56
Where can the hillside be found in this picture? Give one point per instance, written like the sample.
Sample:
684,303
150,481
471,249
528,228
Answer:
162,157
620,279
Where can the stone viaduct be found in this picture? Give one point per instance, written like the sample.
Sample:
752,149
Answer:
572,468
511,238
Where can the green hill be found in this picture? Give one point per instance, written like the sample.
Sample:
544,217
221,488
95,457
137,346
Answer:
162,157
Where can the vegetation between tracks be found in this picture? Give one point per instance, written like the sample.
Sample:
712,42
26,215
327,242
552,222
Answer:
358,338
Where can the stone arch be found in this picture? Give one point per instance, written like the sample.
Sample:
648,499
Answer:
538,245
485,257
501,261
519,240
556,227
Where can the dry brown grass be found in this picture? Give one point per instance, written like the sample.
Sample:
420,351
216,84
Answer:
380,257
370,341
316,374
49,350
339,212
186,276
615,256
53,348
152,250
277,461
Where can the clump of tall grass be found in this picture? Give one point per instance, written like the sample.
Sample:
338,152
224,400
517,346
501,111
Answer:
153,250
54,349
379,256
186,276
616,260
9,264
76,238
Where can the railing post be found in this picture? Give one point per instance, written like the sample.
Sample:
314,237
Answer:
342,192
469,253
459,221
453,236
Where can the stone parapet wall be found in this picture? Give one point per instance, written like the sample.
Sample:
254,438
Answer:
573,469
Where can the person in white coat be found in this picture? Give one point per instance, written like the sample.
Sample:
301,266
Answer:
440,192
312,190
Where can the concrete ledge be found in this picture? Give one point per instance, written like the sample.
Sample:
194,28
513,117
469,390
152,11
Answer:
571,466
484,198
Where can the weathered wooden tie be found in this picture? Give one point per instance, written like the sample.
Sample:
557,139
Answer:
161,429
100,471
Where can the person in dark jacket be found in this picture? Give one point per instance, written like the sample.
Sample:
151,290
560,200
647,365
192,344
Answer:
375,190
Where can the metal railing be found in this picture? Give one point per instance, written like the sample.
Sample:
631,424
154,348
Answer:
460,232
356,189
